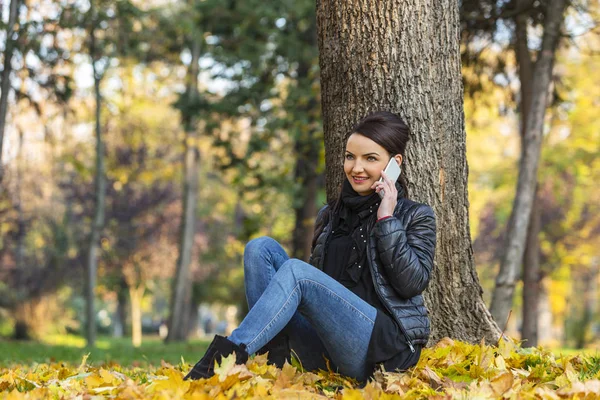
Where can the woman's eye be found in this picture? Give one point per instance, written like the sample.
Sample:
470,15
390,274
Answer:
372,158
348,157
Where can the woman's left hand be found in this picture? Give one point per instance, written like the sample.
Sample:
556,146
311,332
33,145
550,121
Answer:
390,197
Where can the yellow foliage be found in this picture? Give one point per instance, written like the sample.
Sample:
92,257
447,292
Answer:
448,370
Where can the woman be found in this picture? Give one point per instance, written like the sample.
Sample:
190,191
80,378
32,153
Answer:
362,304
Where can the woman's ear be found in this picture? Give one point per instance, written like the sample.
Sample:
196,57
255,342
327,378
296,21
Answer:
398,158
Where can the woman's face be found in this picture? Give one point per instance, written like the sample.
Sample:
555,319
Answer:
363,162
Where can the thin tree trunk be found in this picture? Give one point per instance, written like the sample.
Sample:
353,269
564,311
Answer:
376,57
524,64
502,297
531,259
305,208
181,295
532,278
20,250
98,222
307,145
5,84
121,313
136,294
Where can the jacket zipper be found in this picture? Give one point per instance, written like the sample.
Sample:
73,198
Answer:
410,344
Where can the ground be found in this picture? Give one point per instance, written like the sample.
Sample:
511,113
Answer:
446,371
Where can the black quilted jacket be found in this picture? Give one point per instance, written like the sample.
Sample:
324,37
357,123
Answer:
400,254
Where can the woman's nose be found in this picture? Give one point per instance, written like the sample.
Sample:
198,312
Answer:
357,167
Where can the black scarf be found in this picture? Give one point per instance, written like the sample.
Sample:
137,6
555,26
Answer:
355,218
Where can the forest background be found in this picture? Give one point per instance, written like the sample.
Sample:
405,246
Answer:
144,143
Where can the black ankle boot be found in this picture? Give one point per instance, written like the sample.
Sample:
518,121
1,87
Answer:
279,350
219,347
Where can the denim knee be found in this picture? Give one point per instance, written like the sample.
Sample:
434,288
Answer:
297,268
260,243
255,247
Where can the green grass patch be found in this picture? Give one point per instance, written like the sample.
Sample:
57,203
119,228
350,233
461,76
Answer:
71,349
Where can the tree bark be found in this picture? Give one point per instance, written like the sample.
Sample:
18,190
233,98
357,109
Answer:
5,84
532,278
404,57
516,235
181,295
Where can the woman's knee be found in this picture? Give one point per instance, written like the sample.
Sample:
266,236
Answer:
298,269
259,247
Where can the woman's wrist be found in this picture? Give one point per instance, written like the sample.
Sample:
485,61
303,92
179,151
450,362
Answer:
384,217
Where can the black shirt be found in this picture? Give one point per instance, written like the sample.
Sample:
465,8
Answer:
387,344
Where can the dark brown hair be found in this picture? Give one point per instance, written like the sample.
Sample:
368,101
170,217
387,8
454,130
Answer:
387,130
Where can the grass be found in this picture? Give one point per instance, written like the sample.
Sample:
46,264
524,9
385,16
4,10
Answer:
71,349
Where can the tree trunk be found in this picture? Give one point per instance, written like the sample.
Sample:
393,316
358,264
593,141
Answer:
307,153
532,278
98,222
306,209
308,145
121,312
516,235
524,64
193,319
181,295
5,84
531,262
20,250
136,294
546,330
375,58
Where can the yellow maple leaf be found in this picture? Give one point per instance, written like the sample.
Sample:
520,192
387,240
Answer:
502,383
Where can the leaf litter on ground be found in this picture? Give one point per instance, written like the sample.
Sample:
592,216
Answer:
448,370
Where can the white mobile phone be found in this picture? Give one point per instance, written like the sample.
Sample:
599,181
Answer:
393,171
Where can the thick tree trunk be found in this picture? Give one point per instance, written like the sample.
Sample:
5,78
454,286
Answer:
181,295
532,278
502,298
98,222
193,319
404,57
5,83
136,294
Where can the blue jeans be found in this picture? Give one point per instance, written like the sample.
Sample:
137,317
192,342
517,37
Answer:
321,316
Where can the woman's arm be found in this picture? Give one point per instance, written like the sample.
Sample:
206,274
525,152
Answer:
407,253
320,223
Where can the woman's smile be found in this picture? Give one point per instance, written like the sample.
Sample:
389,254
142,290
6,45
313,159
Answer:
360,179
